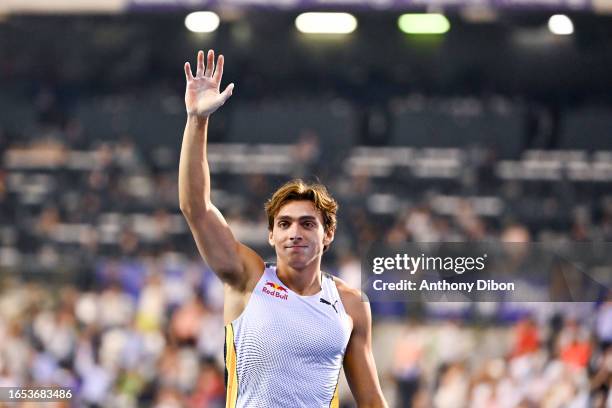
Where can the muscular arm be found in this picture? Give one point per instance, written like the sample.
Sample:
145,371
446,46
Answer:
233,262
359,365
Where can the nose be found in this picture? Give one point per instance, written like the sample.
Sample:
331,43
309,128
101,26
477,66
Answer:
295,232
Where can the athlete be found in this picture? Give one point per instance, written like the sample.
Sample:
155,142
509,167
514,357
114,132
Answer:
289,327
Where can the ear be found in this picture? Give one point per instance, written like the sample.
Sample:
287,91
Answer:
328,238
271,239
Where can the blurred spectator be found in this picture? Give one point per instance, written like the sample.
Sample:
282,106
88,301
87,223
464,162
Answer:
407,359
574,345
305,154
209,391
527,338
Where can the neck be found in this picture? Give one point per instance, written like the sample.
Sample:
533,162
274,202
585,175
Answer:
305,281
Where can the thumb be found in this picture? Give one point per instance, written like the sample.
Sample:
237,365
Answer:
227,92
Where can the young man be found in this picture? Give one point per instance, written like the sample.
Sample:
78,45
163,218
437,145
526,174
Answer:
289,327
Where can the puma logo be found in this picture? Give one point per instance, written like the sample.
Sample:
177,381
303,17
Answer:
328,303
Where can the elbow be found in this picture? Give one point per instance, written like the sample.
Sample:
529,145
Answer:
187,212
186,209
191,211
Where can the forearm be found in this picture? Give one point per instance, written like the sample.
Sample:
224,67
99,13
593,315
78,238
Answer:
194,173
376,402
370,396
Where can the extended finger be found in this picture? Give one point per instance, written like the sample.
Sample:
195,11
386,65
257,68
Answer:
219,71
200,70
227,92
188,73
210,63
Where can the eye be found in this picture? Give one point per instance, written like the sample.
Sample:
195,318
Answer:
283,224
309,224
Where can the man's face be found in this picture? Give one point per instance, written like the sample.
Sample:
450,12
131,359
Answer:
298,234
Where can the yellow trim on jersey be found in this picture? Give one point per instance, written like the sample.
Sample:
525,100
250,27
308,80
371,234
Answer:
335,402
230,365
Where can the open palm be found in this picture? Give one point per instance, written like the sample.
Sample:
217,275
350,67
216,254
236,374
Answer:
202,93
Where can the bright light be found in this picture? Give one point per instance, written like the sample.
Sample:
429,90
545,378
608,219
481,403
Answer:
326,23
202,22
560,24
423,23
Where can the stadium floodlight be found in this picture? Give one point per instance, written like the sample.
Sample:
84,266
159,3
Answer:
326,23
202,22
428,23
560,24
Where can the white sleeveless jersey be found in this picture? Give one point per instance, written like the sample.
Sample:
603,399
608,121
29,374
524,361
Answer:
286,350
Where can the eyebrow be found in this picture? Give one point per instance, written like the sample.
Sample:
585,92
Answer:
302,218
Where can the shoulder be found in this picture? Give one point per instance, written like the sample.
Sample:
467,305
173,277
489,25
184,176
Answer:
355,303
347,292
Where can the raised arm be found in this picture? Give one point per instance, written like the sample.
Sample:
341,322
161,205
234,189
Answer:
233,262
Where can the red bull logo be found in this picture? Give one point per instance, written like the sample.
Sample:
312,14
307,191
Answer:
276,290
